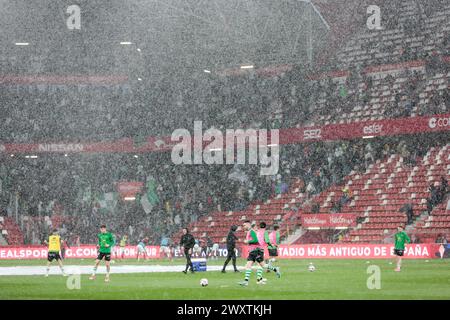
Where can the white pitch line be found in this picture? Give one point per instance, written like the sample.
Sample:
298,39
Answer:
73,269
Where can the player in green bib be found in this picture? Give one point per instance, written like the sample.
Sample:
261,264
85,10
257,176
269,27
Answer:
399,248
272,240
105,243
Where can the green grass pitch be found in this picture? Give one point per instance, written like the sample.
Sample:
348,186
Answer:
333,279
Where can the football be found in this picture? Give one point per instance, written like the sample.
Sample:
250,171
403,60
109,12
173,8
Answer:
204,282
311,267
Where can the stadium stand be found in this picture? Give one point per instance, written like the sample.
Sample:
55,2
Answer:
13,234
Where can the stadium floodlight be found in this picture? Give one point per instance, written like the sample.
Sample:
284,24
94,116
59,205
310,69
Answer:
12,155
272,145
368,137
65,155
126,43
129,198
207,71
138,49
313,228
217,149
136,156
22,43
247,67
139,79
31,157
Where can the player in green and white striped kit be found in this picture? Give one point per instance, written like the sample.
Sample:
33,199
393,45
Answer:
256,242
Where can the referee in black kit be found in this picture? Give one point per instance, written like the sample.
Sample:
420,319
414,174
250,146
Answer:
231,246
187,242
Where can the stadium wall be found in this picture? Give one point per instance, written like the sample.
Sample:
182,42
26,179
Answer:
354,251
308,251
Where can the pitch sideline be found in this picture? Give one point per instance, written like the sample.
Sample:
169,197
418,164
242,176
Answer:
74,269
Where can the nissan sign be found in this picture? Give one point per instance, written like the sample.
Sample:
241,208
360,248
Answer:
59,147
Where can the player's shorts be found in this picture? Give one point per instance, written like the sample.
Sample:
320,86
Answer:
256,255
231,252
53,256
273,252
399,252
141,249
102,255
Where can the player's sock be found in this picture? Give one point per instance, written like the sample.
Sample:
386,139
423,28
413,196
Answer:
48,270
248,272
270,267
94,271
259,273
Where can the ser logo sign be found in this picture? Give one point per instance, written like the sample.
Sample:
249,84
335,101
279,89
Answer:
310,134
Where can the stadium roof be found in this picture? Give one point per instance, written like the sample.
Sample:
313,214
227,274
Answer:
170,34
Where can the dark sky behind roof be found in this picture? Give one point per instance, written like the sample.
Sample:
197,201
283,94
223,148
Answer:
171,33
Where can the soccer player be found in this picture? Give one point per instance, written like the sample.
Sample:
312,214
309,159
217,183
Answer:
273,242
113,247
255,244
197,250
141,249
209,245
187,242
164,250
105,243
64,247
122,245
204,246
215,251
54,246
264,240
400,238
231,247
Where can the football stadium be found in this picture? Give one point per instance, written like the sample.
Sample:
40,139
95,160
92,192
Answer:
224,150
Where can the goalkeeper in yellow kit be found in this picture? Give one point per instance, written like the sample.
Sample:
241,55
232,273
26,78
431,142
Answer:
54,247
